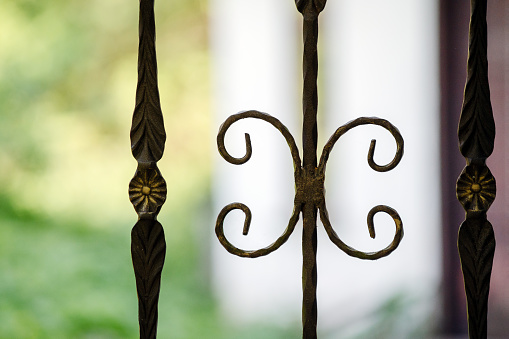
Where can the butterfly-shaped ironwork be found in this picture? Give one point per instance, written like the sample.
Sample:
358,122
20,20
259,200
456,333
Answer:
309,186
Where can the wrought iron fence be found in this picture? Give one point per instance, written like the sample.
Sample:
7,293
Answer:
475,187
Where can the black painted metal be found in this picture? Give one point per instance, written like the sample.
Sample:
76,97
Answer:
147,190
476,185
309,175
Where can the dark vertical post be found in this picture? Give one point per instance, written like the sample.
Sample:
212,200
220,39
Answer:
147,190
310,10
476,185
309,144
310,91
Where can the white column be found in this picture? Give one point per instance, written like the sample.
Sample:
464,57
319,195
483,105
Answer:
256,67
381,59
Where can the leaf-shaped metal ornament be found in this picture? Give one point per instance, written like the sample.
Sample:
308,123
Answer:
476,245
148,249
476,129
147,130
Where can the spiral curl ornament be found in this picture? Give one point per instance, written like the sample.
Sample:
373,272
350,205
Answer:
371,228
256,253
249,150
371,153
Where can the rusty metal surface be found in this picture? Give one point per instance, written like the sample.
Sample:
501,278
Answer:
147,189
476,187
309,175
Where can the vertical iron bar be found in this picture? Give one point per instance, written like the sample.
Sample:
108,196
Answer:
147,190
476,187
309,272
310,91
309,145
309,162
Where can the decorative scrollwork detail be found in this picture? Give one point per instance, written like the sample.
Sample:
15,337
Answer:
309,187
379,168
256,253
324,217
238,161
309,174
147,130
371,153
257,115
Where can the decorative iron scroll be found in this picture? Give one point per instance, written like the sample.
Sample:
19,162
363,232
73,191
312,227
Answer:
476,185
309,175
147,190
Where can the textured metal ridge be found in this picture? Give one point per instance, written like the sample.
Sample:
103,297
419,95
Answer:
147,189
309,175
476,129
476,186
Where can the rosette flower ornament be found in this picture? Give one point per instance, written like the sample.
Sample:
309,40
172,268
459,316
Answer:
476,188
147,192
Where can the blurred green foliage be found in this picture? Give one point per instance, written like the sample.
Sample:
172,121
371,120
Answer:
67,84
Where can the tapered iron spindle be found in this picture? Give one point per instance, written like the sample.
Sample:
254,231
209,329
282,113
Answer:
147,190
309,161
476,187
309,175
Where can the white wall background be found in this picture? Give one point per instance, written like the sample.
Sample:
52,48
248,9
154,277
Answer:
376,59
